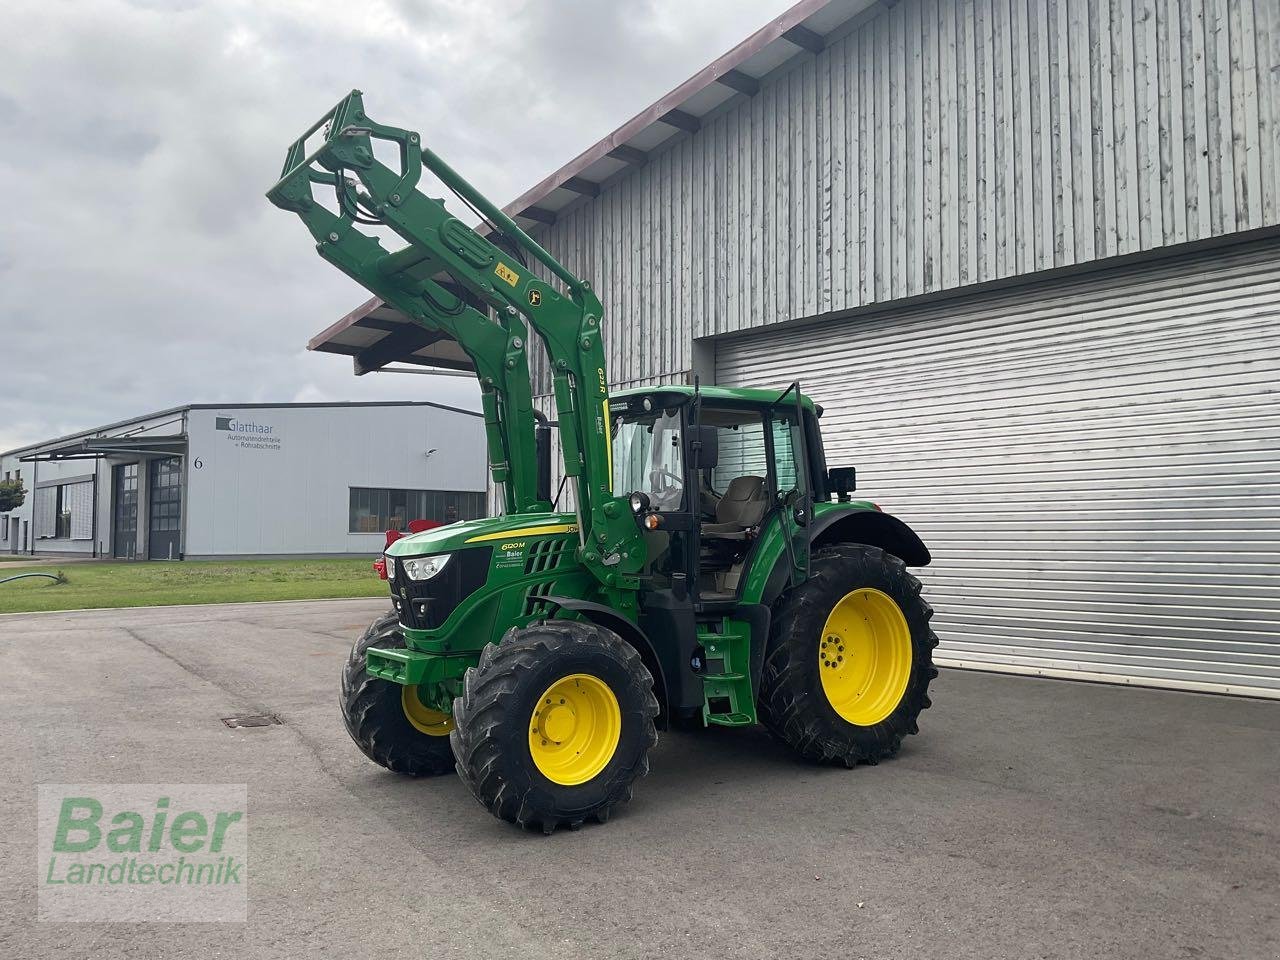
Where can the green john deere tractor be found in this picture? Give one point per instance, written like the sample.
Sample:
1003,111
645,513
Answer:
703,576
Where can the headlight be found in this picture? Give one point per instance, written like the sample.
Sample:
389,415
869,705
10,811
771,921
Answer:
424,568
639,502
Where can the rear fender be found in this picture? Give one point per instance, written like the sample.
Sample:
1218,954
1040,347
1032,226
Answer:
848,524
875,529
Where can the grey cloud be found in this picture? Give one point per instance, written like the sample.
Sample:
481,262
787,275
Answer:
140,265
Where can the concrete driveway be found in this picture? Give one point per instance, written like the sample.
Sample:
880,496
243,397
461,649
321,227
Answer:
1031,818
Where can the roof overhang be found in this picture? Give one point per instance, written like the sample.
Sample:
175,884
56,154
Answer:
91,448
375,334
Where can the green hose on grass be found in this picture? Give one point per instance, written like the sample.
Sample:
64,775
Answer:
58,577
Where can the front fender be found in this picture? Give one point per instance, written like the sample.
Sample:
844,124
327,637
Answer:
605,616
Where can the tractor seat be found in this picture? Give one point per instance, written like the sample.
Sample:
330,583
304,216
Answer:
741,507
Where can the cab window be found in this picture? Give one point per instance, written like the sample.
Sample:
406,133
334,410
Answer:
648,456
742,450
786,454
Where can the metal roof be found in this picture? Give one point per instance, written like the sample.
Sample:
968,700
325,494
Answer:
97,432
374,334
91,448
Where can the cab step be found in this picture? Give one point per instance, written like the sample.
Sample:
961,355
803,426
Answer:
728,699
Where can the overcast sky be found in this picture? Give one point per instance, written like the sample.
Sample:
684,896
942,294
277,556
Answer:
140,265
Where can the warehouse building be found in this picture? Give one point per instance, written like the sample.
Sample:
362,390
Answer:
247,480
1026,254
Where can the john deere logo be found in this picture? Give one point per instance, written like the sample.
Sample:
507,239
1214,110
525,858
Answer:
535,297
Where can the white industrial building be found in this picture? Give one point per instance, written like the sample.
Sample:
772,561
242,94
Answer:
247,480
1027,255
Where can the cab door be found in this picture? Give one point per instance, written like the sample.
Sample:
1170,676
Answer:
789,480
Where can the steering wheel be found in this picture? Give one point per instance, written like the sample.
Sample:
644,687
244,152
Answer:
670,495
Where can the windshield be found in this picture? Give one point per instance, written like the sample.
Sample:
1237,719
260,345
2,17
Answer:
648,457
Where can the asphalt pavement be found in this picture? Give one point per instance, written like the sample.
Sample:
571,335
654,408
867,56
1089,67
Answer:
1031,818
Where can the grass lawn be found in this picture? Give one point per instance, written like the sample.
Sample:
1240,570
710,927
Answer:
125,584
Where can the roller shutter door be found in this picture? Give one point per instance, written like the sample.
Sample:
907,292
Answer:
1095,464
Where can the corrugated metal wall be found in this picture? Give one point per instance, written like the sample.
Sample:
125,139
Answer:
1095,464
940,143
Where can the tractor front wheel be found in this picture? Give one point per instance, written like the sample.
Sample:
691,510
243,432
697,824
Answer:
850,658
554,724
389,722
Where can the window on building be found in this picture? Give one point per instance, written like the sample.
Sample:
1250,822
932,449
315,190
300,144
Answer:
62,515
374,510
4,528
64,511
46,507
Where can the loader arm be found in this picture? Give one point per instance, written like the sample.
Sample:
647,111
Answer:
567,320
501,370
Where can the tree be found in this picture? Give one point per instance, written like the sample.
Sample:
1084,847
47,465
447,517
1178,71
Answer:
12,495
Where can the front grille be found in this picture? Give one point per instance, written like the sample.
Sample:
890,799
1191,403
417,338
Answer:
426,604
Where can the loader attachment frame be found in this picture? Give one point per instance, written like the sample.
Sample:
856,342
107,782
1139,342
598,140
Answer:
502,299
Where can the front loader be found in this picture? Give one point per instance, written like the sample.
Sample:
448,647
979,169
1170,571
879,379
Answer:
704,575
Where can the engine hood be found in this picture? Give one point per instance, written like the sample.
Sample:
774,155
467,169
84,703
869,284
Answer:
490,531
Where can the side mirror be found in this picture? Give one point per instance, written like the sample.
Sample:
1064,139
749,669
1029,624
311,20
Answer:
842,481
706,440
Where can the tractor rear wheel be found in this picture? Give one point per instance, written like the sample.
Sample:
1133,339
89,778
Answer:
850,658
555,724
389,722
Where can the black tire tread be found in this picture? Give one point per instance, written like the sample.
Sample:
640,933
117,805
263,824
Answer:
797,715
483,709
372,714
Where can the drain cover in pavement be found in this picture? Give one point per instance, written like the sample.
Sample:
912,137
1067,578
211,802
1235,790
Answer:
253,720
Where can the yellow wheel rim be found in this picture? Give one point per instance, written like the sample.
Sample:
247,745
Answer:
575,729
864,656
425,720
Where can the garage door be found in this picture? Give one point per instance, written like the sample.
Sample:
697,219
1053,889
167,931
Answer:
1094,464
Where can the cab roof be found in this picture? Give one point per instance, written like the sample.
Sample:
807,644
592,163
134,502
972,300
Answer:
756,396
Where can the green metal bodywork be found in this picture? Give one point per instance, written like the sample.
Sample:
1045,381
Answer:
772,549
437,659
530,554
754,396
458,283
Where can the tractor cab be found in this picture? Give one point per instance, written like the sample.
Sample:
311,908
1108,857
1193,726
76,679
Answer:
707,471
